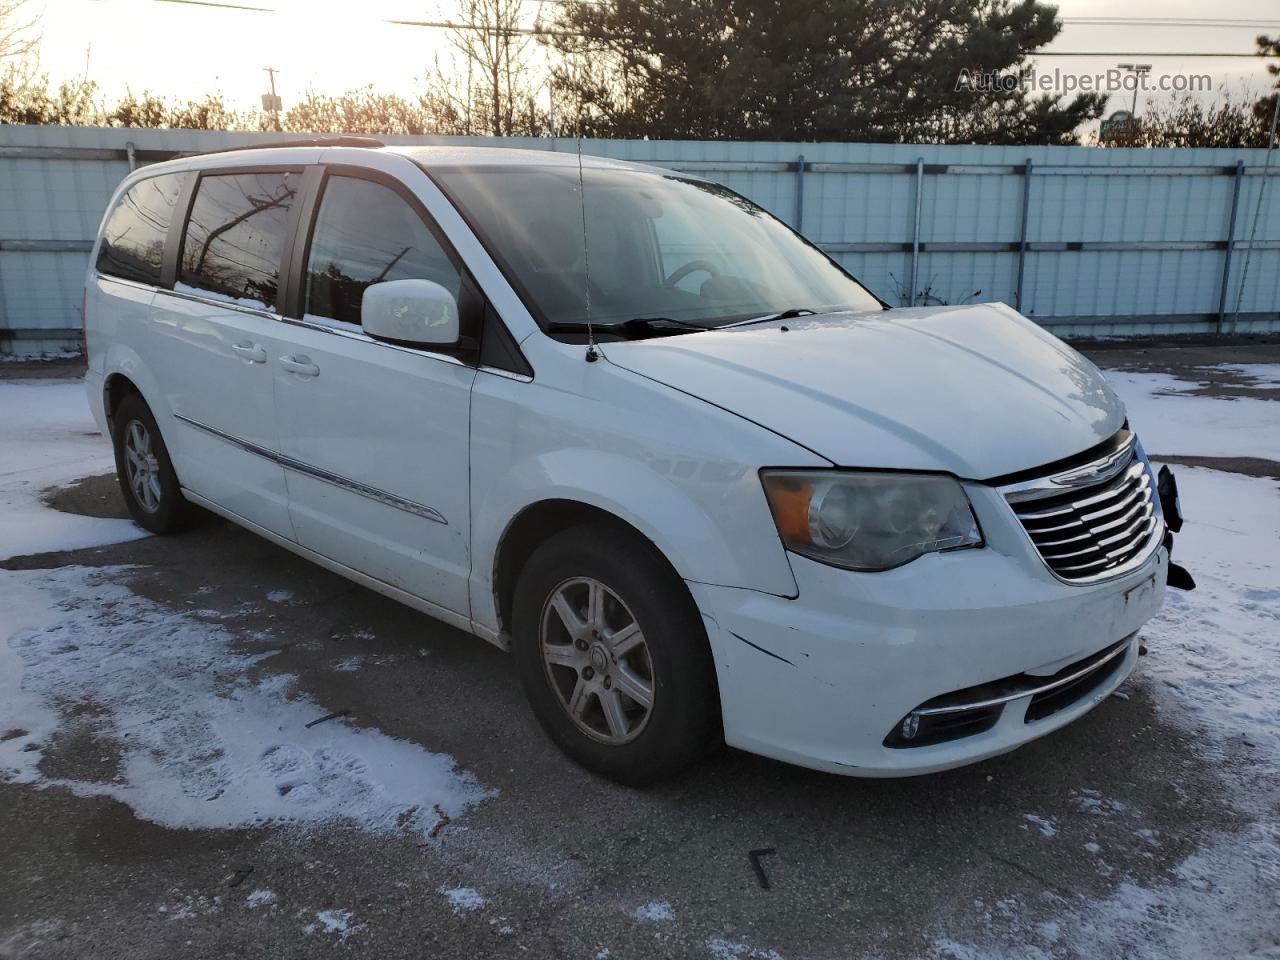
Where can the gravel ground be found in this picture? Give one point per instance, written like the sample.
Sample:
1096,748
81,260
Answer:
556,862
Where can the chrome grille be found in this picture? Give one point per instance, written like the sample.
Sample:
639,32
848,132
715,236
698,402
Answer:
1105,522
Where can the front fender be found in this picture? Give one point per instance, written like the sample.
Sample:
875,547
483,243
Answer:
683,473
657,505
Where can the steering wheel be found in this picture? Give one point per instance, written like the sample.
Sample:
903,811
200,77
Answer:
693,266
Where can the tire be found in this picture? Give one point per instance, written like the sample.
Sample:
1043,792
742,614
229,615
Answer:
612,731
147,480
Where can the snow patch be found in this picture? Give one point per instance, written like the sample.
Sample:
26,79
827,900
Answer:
1045,825
204,740
462,899
339,923
259,898
656,911
48,438
720,949
1170,420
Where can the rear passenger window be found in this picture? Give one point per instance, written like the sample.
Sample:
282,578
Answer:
366,233
235,236
132,245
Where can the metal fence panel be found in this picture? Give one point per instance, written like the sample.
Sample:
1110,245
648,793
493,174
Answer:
1106,242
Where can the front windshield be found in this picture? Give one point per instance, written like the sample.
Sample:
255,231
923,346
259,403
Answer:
655,246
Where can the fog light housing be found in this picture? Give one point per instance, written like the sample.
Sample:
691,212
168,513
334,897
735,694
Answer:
910,726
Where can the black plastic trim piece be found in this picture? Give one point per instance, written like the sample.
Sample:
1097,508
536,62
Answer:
1097,451
498,348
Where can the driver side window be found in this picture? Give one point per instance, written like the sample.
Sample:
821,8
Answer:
366,233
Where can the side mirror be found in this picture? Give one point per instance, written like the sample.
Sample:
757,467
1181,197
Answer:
418,312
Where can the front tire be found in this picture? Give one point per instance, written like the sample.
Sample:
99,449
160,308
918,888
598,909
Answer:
147,480
613,656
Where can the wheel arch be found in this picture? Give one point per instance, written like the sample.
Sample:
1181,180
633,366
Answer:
533,526
115,388
125,373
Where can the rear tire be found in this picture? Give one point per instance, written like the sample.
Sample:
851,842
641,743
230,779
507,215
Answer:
613,656
147,480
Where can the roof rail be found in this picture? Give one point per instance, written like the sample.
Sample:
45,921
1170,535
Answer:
337,141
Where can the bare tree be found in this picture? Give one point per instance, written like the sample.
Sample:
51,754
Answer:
1186,122
492,40
28,99
19,28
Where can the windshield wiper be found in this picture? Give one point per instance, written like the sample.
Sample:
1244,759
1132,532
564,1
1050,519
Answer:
789,314
636,328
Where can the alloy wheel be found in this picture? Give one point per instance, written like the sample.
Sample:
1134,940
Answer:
142,466
596,660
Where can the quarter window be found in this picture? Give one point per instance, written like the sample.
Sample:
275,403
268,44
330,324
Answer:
236,234
132,245
366,233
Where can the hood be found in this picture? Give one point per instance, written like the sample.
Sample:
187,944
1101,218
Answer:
975,390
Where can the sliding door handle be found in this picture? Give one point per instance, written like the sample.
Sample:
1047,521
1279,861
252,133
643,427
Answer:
302,366
252,352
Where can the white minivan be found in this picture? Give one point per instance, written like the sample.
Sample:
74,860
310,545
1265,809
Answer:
626,424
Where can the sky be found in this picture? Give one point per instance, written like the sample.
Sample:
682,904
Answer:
183,50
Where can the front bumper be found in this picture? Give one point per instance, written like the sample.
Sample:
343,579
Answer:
823,679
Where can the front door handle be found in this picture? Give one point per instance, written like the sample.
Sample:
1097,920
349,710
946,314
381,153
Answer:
252,352
300,365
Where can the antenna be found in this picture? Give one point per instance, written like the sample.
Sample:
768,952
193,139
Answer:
592,353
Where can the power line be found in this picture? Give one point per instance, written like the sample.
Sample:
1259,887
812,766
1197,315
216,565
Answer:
1144,53
552,32
221,6
1171,21
482,28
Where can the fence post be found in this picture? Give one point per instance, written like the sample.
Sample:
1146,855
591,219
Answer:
800,194
1022,234
131,156
915,228
1231,243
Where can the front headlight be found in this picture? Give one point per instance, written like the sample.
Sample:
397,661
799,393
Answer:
869,521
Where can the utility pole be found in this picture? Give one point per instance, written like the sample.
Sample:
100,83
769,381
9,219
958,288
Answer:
270,101
1139,70
551,107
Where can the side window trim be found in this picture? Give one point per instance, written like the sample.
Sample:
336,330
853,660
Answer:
302,222
187,200
302,251
177,230
313,195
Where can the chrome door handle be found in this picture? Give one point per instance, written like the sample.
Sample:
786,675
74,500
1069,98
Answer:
252,352
300,365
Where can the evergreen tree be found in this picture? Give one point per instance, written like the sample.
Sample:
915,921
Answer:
842,70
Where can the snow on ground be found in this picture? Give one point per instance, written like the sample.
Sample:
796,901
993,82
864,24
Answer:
1170,420
48,438
1214,667
259,898
463,899
654,912
721,949
203,739
337,923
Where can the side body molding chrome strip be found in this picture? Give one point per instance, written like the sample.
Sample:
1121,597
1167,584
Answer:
298,466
